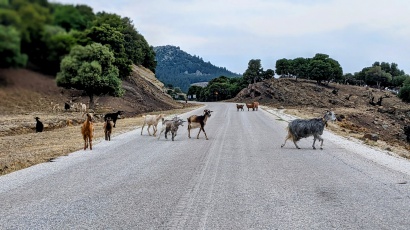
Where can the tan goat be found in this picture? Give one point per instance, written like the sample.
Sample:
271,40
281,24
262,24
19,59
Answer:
87,130
152,120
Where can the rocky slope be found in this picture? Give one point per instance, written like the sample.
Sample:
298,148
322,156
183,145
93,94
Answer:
357,113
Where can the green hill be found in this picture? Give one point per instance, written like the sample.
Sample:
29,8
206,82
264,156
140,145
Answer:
181,69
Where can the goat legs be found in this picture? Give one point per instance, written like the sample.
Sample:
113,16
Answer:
142,128
320,139
201,128
159,135
149,133
155,130
85,143
293,139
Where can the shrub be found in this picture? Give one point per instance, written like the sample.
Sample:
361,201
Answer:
404,93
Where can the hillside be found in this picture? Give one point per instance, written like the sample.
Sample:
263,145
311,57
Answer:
26,94
356,116
181,69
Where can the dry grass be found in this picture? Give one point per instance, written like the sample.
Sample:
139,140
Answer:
28,149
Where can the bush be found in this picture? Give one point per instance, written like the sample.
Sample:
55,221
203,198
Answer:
404,93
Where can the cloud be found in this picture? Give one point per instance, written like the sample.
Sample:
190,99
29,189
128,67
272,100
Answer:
229,33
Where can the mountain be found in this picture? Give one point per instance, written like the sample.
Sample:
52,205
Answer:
180,69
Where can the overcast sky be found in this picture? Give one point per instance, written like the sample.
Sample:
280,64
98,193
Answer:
229,33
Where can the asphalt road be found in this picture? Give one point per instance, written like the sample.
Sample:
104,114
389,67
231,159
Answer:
238,179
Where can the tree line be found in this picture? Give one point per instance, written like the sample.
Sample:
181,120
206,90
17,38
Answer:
84,50
320,68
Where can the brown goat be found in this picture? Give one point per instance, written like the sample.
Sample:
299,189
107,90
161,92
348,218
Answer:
87,129
239,107
255,105
195,121
108,129
250,106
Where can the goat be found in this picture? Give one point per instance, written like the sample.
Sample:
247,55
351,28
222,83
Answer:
250,106
255,105
171,126
196,121
39,125
239,107
108,129
152,120
302,128
83,108
87,130
67,106
75,106
114,116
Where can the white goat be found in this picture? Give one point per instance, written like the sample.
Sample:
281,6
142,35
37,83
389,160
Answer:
83,108
152,120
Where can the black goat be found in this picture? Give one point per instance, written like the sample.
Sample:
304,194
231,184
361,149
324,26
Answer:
108,129
39,125
67,106
300,128
113,116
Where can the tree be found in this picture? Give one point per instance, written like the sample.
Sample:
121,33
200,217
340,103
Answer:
320,70
10,55
9,17
90,68
389,68
268,74
69,17
34,15
336,72
398,81
136,47
58,43
300,67
378,76
254,73
331,68
283,67
194,90
114,39
404,93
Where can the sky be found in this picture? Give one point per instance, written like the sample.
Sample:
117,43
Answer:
229,33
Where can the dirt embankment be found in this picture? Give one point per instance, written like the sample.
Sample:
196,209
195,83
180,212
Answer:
358,115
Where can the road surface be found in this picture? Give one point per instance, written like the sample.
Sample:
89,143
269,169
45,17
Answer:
238,179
